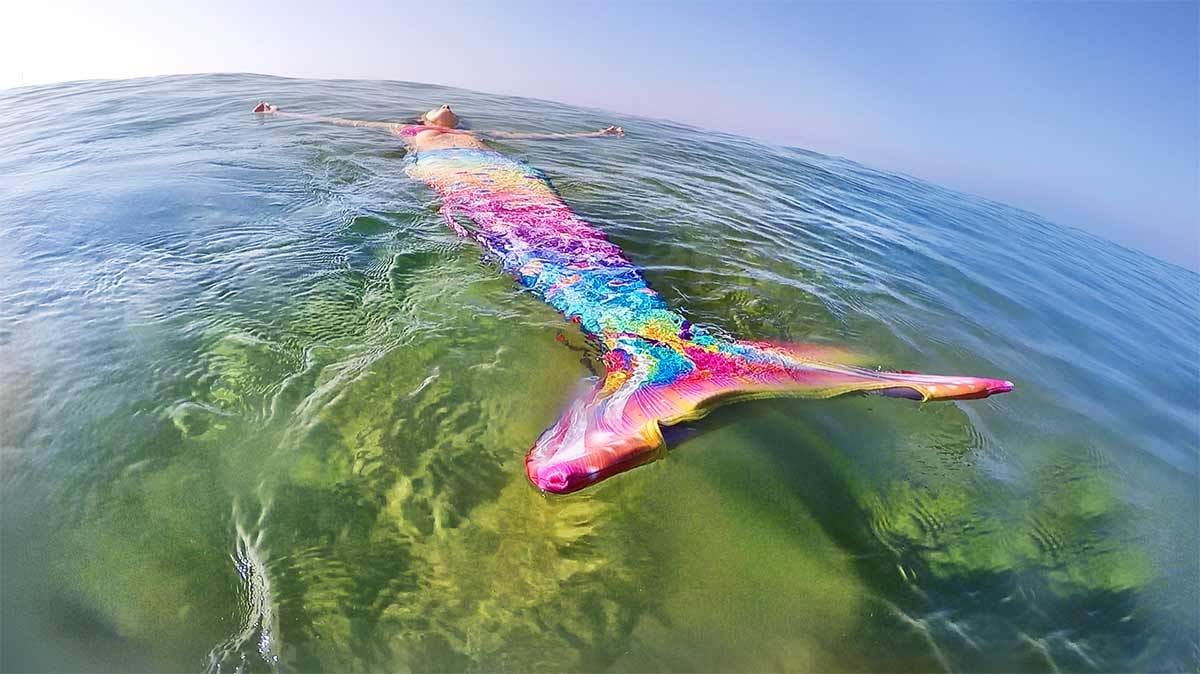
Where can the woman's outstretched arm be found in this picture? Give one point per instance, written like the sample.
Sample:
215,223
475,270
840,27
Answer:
517,135
268,109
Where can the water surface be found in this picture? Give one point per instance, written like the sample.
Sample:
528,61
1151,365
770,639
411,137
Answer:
262,411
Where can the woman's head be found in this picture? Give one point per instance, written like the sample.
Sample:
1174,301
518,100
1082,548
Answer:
442,116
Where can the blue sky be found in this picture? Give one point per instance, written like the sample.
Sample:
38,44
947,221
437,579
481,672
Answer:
1084,112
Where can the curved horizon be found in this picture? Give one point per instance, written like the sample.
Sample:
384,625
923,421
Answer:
1195,269
1086,113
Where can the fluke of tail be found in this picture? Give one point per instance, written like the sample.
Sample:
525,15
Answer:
649,384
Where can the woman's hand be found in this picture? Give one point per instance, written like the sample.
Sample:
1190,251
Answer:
612,131
265,108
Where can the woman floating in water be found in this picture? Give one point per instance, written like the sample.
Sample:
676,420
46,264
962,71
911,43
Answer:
660,369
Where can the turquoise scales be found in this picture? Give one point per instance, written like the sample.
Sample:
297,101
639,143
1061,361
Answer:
659,368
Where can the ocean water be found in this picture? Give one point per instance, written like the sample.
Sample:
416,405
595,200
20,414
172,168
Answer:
260,411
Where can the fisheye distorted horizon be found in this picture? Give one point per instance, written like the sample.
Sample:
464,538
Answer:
1083,112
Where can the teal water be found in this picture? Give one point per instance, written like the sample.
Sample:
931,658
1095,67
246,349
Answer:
261,411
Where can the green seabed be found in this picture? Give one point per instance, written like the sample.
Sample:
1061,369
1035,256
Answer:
366,453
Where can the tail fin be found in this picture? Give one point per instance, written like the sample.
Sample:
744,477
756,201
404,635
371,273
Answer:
616,426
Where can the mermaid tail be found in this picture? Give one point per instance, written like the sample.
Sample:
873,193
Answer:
617,425
660,369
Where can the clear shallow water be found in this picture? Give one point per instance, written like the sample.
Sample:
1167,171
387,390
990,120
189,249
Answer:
260,410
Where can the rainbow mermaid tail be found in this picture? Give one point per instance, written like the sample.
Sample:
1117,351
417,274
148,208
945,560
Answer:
649,384
659,368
